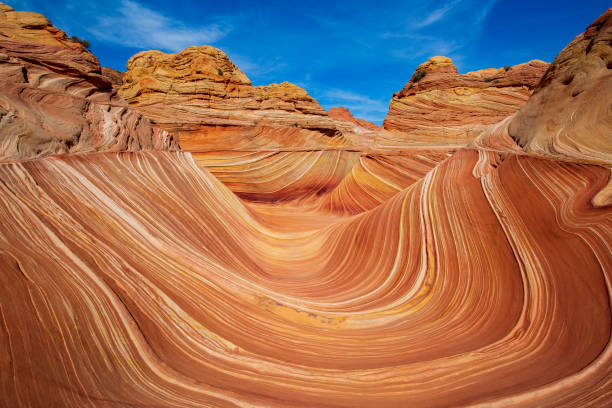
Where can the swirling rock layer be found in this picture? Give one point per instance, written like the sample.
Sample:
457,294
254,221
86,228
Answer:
444,107
200,95
142,280
569,115
295,276
55,100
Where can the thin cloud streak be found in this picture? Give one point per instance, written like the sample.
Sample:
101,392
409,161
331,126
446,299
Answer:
437,15
134,25
360,106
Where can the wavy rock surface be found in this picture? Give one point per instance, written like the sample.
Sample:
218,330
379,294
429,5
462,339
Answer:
445,107
143,281
568,116
375,178
55,100
267,143
429,278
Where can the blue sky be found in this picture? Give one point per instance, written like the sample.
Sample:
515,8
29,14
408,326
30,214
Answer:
344,53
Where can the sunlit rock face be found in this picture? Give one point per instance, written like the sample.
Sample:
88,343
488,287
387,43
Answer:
201,96
139,278
431,277
569,115
440,106
55,100
268,143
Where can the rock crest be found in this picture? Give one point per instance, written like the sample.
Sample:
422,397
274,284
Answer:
55,99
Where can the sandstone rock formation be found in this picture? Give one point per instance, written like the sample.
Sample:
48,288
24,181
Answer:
113,76
433,277
268,143
569,115
343,114
440,106
210,104
158,287
55,100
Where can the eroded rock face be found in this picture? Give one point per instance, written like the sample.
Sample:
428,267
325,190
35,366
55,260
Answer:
201,96
113,76
341,113
434,277
157,279
569,115
55,100
440,106
268,143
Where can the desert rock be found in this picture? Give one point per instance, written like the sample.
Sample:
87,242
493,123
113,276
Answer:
55,100
440,106
569,115
289,275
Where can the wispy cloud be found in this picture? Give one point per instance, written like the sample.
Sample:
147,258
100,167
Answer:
134,25
437,14
361,106
439,31
428,49
260,68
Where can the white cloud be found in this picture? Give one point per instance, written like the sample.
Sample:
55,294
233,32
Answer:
135,25
427,49
361,106
448,37
437,14
260,68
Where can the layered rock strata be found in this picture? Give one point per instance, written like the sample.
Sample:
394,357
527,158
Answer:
139,278
113,76
569,116
345,115
440,106
55,100
268,143
479,277
210,104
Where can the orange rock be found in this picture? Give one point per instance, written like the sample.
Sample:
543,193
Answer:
440,106
201,96
55,100
114,77
341,113
568,117
268,143
423,277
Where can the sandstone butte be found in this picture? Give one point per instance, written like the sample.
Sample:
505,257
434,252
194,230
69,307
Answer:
132,276
199,95
445,107
244,134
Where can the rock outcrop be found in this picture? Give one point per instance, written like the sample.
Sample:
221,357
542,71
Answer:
440,106
569,116
478,277
343,114
138,278
55,100
113,76
267,143
199,95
